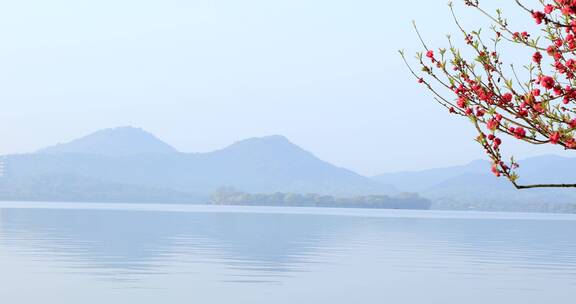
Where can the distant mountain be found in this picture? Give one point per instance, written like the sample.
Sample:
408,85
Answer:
132,157
274,164
417,181
474,185
120,141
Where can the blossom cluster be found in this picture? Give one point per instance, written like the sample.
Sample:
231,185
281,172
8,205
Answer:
540,109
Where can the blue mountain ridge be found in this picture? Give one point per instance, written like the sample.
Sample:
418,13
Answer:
131,157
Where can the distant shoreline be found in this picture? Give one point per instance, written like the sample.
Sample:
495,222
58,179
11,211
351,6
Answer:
207,208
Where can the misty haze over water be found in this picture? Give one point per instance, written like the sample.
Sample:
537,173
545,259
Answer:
147,147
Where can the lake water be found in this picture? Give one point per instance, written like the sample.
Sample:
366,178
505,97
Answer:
102,253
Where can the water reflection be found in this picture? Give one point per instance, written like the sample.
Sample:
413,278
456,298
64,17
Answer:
128,242
520,258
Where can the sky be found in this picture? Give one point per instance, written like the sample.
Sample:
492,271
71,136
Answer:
202,74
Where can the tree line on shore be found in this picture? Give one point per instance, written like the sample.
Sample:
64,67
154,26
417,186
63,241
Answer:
231,196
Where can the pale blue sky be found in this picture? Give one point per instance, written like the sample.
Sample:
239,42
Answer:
201,74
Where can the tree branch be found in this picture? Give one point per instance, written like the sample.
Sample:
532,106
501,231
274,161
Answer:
519,187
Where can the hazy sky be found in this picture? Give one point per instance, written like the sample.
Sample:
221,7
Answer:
202,74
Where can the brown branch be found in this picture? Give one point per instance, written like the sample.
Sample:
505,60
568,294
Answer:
519,187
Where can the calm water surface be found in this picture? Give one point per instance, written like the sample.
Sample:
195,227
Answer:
101,253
